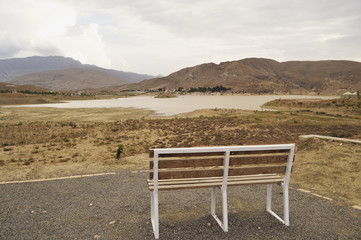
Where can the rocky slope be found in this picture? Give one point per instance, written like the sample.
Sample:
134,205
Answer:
258,75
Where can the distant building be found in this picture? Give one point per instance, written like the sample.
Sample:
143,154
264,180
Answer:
349,95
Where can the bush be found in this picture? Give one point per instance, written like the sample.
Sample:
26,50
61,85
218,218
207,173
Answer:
333,134
120,150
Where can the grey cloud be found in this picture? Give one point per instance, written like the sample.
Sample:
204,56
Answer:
46,50
9,47
280,29
12,48
230,18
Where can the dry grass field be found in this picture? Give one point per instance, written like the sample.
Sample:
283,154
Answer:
47,142
330,168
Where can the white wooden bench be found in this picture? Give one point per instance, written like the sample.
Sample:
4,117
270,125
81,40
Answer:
220,167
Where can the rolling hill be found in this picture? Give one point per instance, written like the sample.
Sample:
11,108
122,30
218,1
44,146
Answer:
4,87
259,75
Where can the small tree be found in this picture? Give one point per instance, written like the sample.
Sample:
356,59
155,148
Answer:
120,150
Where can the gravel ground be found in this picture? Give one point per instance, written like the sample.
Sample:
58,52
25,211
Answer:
117,207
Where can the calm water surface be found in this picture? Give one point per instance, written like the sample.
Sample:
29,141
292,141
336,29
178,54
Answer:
181,104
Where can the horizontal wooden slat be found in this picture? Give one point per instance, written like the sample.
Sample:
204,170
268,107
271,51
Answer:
192,154
207,162
215,179
188,173
266,159
256,170
217,172
259,152
183,163
215,182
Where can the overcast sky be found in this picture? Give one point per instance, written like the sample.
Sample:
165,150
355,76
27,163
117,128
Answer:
164,36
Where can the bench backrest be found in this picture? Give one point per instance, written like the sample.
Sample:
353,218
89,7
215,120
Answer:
200,162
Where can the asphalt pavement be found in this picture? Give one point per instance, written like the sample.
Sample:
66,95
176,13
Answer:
118,207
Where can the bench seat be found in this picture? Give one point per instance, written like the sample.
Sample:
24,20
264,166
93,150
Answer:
209,182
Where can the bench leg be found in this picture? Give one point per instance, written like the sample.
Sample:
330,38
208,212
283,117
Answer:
213,201
269,197
223,225
225,213
286,219
286,214
154,213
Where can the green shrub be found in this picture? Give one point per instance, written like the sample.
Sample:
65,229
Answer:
120,150
333,134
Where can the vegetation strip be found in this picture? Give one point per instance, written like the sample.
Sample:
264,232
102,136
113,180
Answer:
60,178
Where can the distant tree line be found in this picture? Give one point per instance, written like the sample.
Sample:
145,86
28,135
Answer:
209,89
5,91
37,92
217,88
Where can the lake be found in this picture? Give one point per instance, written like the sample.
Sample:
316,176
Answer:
181,104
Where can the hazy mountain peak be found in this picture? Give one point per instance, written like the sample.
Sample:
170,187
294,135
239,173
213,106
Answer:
16,67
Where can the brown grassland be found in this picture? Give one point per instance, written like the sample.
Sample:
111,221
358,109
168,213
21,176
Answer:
47,142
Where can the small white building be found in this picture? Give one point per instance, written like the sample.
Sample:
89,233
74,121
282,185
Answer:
349,95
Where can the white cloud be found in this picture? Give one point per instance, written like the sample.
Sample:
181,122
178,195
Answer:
33,26
54,20
87,47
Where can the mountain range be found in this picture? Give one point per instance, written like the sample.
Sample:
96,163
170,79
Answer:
60,73
250,75
259,75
